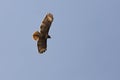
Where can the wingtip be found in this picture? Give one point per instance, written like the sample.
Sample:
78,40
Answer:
42,51
50,17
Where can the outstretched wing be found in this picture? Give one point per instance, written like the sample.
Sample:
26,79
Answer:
45,26
44,30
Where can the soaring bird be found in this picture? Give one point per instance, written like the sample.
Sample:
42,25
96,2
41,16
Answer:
42,36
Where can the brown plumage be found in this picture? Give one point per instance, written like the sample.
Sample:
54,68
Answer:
43,35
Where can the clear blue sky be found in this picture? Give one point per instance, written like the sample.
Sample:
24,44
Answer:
85,42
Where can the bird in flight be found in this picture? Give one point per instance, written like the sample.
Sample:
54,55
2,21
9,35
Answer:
42,36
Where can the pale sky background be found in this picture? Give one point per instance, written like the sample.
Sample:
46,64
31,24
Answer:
85,42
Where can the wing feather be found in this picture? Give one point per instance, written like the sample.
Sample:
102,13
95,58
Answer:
46,23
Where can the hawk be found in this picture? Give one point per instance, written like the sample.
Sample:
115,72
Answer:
42,36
